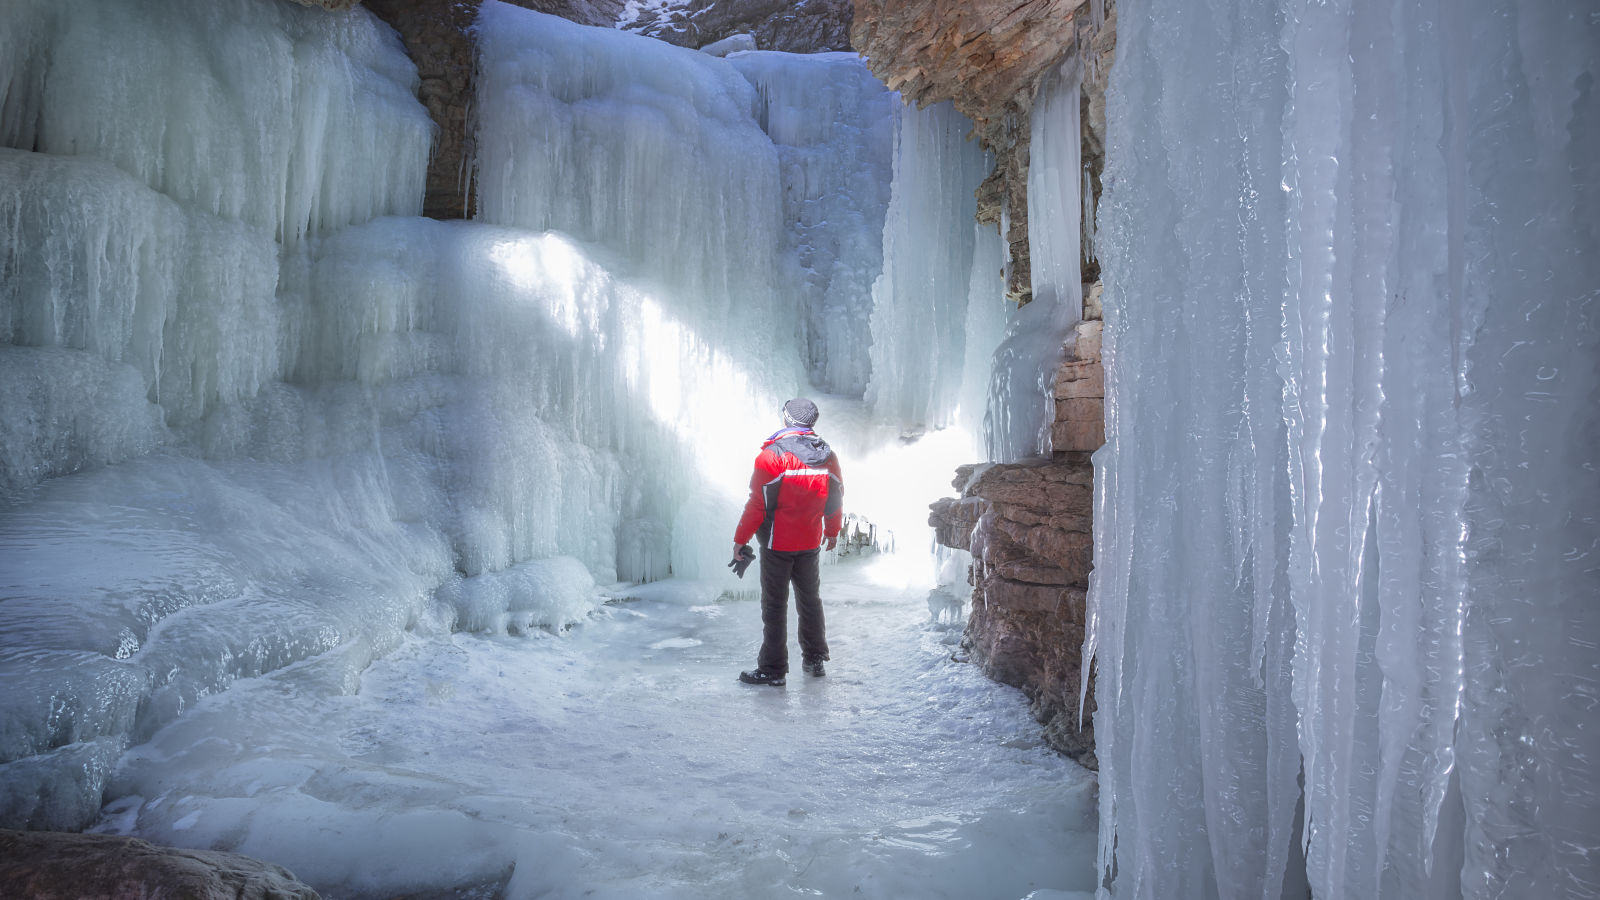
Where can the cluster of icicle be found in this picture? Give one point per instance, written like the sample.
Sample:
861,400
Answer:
1346,527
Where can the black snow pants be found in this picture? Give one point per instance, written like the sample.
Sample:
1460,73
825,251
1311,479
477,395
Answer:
778,568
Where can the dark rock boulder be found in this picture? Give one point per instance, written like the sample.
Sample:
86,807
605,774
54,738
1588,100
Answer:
50,865
1027,527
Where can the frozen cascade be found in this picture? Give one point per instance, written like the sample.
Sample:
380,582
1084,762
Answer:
333,433
761,213
650,150
105,273
1021,404
833,124
1345,526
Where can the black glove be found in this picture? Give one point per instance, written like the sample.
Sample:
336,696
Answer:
742,558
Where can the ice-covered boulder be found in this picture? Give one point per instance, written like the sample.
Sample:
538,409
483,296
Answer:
731,44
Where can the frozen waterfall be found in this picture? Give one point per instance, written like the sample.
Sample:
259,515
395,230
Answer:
257,418
1346,525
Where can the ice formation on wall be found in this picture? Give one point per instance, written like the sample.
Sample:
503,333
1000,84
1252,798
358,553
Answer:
332,422
1021,404
1346,523
833,125
270,114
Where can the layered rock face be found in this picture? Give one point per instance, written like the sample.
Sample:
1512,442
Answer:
55,866
988,58
435,35
1027,526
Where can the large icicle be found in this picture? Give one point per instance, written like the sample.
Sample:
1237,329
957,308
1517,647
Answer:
1021,393
99,263
1345,515
919,301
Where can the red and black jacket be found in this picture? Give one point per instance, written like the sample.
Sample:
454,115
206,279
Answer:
796,493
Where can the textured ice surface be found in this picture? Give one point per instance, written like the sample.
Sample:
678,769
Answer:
1346,514
622,758
651,150
98,262
286,118
833,124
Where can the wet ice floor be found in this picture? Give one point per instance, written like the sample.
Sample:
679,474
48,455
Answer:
622,758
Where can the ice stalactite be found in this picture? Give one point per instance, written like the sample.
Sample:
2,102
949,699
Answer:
919,301
1021,394
101,266
1344,526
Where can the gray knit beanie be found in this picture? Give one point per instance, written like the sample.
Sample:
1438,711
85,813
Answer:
800,412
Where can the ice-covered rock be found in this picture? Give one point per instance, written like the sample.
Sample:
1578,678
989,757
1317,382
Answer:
289,119
806,26
989,58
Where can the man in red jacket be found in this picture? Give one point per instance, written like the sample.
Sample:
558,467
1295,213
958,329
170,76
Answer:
796,502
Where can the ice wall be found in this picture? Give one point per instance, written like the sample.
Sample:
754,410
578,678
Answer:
631,143
1345,528
656,155
833,125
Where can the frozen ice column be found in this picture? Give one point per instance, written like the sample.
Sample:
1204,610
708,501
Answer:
1345,515
920,300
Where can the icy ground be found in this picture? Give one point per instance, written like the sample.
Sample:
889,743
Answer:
621,758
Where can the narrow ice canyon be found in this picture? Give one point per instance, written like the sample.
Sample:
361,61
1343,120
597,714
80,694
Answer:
388,545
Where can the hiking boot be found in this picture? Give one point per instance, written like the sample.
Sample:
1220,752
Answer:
759,677
813,668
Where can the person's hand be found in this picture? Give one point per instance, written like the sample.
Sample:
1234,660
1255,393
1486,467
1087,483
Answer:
743,556
833,541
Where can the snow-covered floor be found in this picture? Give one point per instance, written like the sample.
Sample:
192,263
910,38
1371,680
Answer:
622,758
